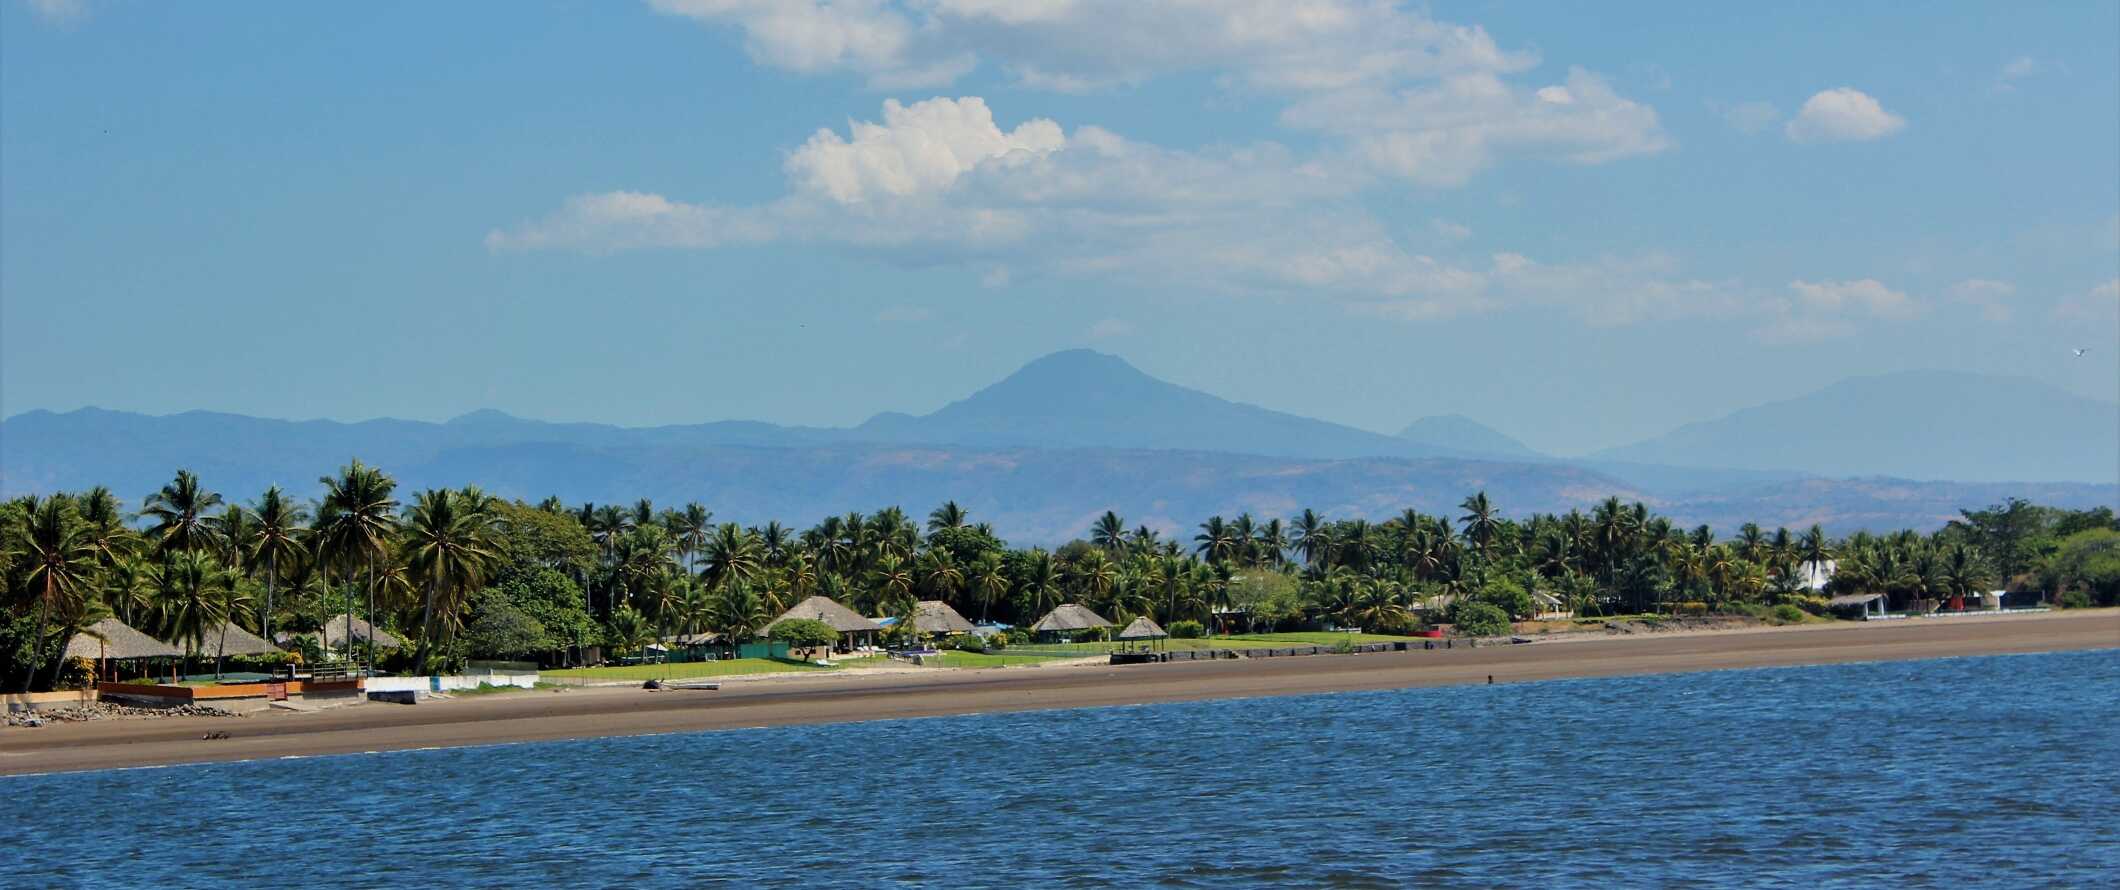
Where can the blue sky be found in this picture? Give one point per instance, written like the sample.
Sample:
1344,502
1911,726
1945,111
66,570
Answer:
1581,225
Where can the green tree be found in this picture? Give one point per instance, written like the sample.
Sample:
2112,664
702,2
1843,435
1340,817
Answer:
180,514
61,567
277,535
354,527
449,552
807,634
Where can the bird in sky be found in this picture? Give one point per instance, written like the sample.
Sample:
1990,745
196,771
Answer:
2080,352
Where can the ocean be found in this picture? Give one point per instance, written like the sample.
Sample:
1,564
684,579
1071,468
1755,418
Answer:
1992,771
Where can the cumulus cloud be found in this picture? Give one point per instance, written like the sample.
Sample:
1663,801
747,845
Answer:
921,148
1413,97
1842,114
1820,310
1992,298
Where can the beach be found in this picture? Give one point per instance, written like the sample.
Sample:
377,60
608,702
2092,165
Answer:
858,696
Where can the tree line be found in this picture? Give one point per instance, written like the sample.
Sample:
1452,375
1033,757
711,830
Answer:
460,573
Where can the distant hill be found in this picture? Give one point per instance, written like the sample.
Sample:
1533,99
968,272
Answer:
1045,450
1456,432
1916,425
1085,399
1031,495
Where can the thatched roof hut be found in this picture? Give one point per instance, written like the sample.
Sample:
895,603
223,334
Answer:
237,642
333,634
829,611
936,617
111,638
1143,629
1069,617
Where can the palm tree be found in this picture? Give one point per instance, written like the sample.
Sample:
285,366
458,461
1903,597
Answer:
737,614
1093,576
190,599
1272,542
949,515
1815,550
893,584
939,573
449,551
103,522
179,512
1961,574
1215,542
989,581
1108,532
730,555
353,528
1041,585
1481,523
61,562
277,533
691,531
1313,537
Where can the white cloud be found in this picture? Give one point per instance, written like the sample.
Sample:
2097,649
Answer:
921,148
1442,135
1410,96
1749,117
1867,295
1449,232
1992,298
1843,114
2099,306
59,12
1821,310
1108,328
632,220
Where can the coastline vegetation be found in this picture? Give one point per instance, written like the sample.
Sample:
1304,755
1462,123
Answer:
461,574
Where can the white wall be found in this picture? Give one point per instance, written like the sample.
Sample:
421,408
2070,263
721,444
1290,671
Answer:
428,684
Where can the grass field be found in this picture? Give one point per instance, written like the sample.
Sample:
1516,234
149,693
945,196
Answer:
686,670
953,659
1233,641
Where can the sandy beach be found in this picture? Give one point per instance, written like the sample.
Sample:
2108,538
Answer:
858,695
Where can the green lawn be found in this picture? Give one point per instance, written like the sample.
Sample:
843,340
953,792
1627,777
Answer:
953,659
1235,641
686,670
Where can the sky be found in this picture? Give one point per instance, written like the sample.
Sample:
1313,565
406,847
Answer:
1582,224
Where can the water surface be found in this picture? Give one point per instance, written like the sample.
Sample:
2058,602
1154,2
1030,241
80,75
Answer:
1988,771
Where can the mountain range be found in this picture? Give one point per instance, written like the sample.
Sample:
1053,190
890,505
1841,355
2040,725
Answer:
1043,451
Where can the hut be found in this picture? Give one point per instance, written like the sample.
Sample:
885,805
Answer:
110,640
334,633
936,618
1066,621
1550,607
231,639
854,630
1859,604
1144,633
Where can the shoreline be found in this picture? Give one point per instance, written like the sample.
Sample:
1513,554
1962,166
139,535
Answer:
593,712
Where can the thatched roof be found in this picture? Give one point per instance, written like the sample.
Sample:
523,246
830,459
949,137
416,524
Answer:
239,642
936,617
1143,629
841,618
1070,616
333,634
111,638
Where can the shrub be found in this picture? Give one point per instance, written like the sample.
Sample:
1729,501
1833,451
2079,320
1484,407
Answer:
1815,605
1089,635
1482,620
2075,598
1788,614
997,641
1187,629
964,643
1692,609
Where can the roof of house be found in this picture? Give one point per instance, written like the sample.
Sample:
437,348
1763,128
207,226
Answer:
1854,599
829,611
1143,629
1070,616
237,642
333,634
936,617
1546,599
111,638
